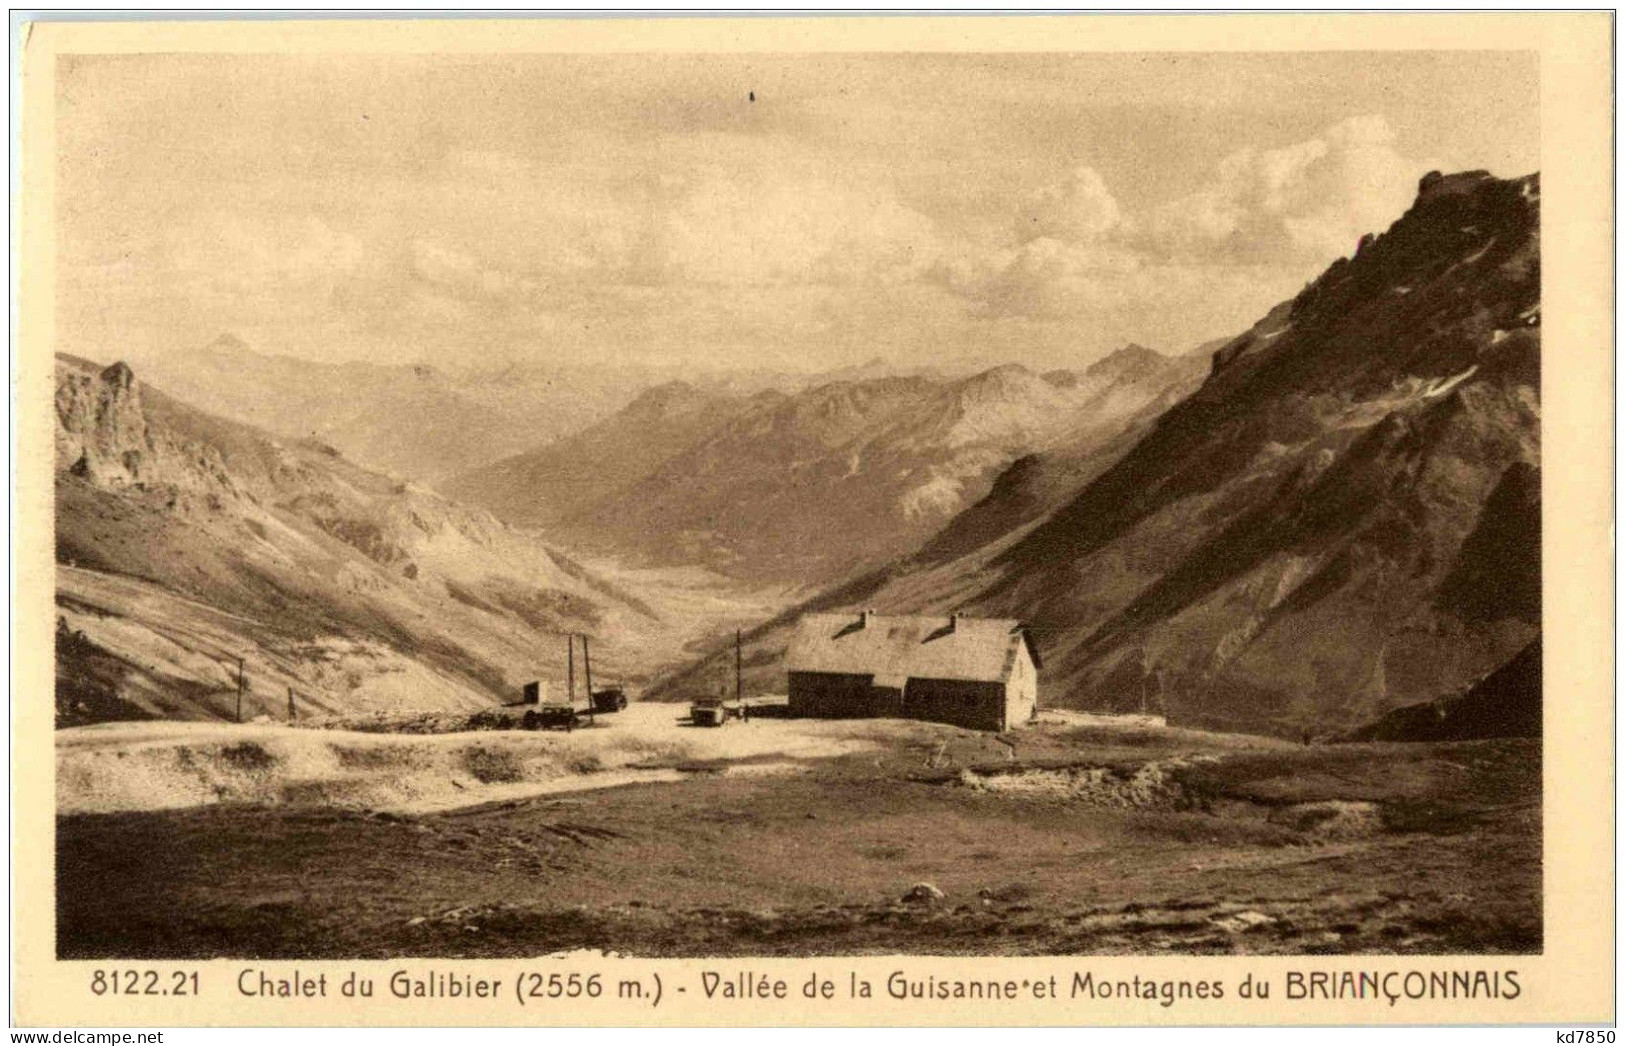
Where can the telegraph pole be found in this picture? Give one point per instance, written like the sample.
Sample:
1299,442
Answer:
570,659
242,684
586,663
739,678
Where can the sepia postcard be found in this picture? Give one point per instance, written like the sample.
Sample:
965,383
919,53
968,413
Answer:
1039,520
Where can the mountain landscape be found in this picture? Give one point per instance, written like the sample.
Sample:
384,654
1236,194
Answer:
186,542
1334,515
582,473
435,424
809,487
1342,519
416,421
751,502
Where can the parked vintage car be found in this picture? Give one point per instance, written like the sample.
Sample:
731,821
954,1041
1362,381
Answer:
612,699
712,711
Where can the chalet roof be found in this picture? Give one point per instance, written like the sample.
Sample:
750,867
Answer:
896,648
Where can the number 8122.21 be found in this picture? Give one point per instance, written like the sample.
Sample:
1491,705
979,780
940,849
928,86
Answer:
144,982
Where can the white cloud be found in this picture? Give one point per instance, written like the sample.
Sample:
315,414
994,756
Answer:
1042,277
758,252
1079,208
709,224
1066,249
460,272
1274,213
548,214
767,231
239,251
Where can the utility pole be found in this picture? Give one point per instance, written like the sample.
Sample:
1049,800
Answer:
291,713
739,677
570,659
586,663
242,684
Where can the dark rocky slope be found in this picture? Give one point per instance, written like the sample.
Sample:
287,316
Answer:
1505,703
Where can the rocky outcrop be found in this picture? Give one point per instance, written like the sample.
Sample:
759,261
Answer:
101,432
104,435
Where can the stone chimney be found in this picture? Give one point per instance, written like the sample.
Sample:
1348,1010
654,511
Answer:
865,618
953,621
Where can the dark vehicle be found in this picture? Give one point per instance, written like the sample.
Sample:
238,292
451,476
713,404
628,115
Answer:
545,713
558,714
715,711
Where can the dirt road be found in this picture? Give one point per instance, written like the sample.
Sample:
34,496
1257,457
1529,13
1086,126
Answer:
132,766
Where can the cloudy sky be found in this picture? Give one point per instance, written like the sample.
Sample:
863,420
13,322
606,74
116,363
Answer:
1041,208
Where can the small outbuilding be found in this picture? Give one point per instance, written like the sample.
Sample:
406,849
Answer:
980,673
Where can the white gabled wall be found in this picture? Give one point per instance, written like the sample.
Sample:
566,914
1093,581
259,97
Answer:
1021,690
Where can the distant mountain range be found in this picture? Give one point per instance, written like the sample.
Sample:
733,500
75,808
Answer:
1342,519
428,423
413,421
810,486
186,541
573,475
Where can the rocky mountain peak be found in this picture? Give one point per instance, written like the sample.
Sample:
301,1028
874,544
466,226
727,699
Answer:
1004,381
664,398
1129,363
228,343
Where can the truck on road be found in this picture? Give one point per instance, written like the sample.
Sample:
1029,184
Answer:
547,713
612,699
713,711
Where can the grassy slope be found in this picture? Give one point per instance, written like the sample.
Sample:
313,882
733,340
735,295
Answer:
1239,846
358,590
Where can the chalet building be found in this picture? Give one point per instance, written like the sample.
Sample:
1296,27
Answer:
980,673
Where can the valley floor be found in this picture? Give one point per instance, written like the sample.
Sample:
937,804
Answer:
784,837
